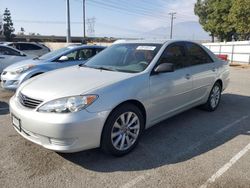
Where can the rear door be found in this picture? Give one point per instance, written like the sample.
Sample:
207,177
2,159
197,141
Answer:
203,70
171,92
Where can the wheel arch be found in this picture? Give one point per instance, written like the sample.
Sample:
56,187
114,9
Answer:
36,74
220,82
130,101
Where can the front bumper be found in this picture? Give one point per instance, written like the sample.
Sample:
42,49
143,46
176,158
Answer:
60,132
11,82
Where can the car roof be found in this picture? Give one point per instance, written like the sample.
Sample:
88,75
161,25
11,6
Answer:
142,41
84,46
150,41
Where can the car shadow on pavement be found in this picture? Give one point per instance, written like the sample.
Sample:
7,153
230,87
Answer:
4,108
177,139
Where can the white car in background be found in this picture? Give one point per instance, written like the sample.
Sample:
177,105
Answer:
9,55
30,48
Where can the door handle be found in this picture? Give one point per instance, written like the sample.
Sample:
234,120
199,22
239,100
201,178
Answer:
2,57
188,76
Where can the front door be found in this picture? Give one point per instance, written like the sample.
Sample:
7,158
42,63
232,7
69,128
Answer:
170,92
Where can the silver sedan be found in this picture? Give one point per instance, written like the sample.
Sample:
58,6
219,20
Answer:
117,94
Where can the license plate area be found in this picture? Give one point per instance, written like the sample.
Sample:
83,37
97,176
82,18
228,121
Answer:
16,122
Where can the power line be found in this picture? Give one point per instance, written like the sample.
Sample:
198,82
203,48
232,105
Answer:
109,6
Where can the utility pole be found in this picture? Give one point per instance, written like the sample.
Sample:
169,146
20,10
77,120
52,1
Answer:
172,23
68,21
84,17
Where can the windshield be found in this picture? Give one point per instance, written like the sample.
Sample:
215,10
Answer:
132,58
54,53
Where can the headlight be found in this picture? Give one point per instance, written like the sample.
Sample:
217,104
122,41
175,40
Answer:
21,69
68,104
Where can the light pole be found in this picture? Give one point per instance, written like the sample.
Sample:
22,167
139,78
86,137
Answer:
84,17
172,23
68,38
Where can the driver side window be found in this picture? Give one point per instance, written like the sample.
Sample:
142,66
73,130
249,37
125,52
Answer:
72,56
175,54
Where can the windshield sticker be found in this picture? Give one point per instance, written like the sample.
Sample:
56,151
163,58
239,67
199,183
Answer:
150,48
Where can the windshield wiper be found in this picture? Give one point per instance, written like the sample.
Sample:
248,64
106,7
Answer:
104,68
36,58
82,65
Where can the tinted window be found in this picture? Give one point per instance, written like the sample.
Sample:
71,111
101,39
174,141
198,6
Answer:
24,46
54,53
8,51
174,53
72,56
85,54
98,50
196,55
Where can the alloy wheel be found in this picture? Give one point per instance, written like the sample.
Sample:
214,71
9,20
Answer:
215,96
125,131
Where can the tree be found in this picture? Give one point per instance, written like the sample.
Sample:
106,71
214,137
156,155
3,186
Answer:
240,18
202,9
213,16
22,31
8,28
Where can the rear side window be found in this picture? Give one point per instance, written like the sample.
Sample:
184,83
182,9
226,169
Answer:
8,51
24,46
98,50
175,54
197,55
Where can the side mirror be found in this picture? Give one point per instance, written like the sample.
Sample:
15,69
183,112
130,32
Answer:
63,58
22,54
164,67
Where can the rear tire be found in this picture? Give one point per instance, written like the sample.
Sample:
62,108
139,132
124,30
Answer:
122,130
214,98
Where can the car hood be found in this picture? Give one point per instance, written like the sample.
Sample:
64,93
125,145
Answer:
23,63
70,82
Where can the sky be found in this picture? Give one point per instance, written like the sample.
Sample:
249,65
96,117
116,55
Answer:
118,18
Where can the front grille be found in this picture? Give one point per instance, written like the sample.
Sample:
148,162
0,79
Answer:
28,102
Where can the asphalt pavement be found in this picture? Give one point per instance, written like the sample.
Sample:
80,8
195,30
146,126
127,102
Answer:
193,149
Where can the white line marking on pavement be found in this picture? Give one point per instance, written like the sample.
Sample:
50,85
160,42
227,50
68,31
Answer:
232,124
138,179
228,165
134,181
200,143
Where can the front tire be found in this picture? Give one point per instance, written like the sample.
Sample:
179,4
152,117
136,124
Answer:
214,98
122,130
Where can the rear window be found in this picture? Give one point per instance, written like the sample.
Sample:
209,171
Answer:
25,46
197,55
